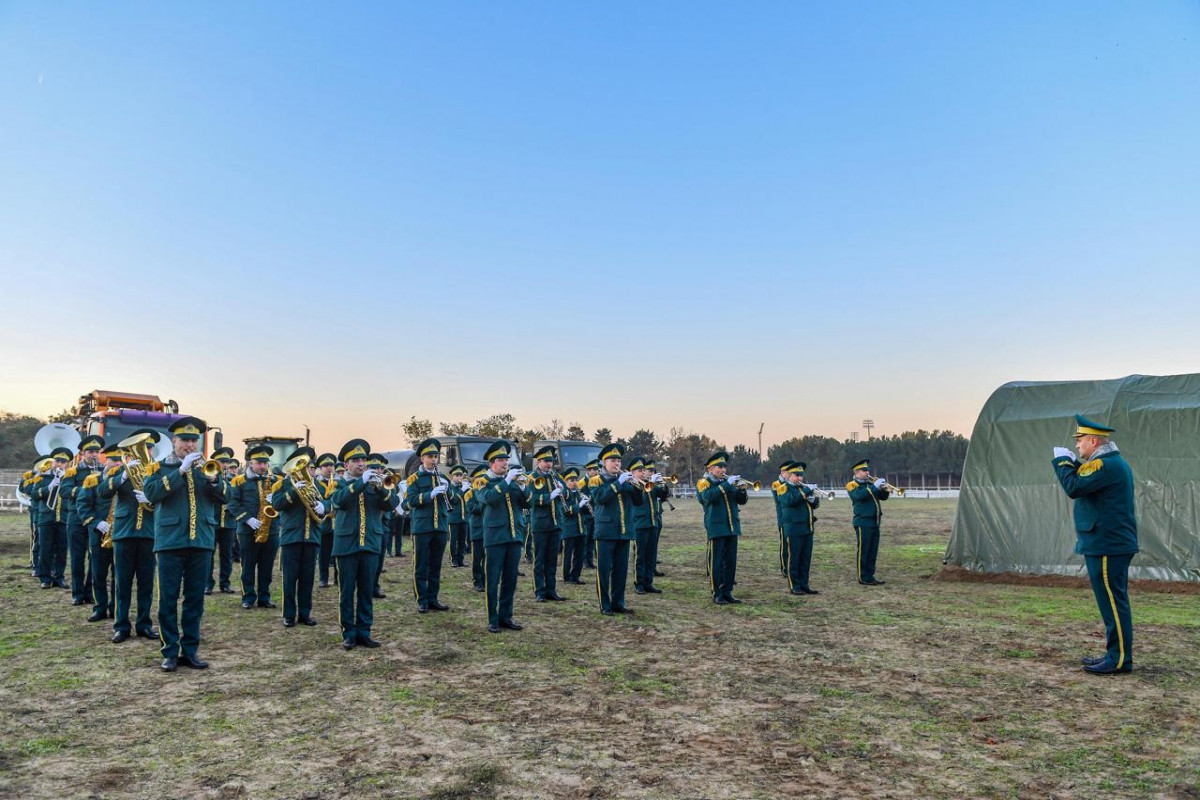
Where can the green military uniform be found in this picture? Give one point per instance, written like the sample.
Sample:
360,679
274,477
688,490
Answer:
613,497
358,544
475,524
222,570
258,534
647,521
1105,535
427,500
299,543
185,524
77,534
574,535
378,462
84,515
326,487
797,504
132,527
28,480
504,502
721,500
780,481
546,514
460,544
866,496
52,535
589,515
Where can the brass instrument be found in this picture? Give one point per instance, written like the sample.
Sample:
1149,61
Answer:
745,484
296,468
266,512
138,447
211,468
390,479
106,541
887,487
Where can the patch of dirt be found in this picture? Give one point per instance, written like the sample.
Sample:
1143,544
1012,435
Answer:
954,574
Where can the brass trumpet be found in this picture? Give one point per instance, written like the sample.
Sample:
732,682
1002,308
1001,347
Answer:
887,487
745,484
671,479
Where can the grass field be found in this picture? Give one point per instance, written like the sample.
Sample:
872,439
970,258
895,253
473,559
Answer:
917,689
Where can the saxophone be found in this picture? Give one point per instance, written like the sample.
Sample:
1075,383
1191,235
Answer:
106,541
266,511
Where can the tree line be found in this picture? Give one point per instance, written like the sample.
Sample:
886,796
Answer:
910,458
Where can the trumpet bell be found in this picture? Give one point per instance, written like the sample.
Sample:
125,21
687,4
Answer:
56,434
212,468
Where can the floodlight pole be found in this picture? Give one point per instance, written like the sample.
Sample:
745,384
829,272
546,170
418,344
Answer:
761,425
868,424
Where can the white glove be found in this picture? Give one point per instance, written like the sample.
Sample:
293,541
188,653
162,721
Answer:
102,526
812,486
879,482
439,489
298,485
131,463
254,523
140,495
733,479
583,500
189,460
368,475
513,474
625,477
58,473
812,499
320,507
657,478
55,482
556,493
1062,452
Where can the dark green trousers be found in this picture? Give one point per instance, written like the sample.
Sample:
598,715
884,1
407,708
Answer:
298,563
258,564
612,572
798,553
573,555
428,551
356,581
222,560
81,570
867,550
545,562
501,563
722,566
100,567
478,578
458,543
185,568
1110,583
133,560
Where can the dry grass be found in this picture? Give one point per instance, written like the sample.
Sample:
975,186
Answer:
913,690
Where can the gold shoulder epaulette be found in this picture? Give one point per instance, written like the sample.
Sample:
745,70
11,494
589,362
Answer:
153,468
781,488
595,481
1088,467
70,473
112,471
851,486
411,479
703,484
91,481
479,483
238,480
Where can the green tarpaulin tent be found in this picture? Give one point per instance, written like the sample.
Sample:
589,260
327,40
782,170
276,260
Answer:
1014,517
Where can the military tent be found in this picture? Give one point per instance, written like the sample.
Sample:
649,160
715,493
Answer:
1013,515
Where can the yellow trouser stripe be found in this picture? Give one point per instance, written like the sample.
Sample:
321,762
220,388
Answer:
1116,617
596,555
858,535
787,544
712,583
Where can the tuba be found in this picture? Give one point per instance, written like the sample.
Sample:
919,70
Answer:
296,468
139,447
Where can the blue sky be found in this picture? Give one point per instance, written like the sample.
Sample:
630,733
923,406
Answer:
627,214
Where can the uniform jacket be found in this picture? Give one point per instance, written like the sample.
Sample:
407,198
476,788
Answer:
866,499
1102,488
429,514
186,505
504,507
613,504
720,500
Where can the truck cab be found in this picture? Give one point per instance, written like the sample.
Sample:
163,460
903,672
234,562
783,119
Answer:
116,415
465,450
571,453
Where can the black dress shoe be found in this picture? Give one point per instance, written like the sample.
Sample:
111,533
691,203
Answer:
493,628
639,590
874,582
1089,661
246,604
806,590
47,585
623,610
479,588
1106,667
150,634
439,606
608,613
511,624
797,591
379,595
520,574
659,574
539,599
653,590
267,604
78,601
309,621
348,643
208,590
120,636
423,609
98,616
558,598
170,664
733,600
61,584
721,601
192,662
324,584
226,590
367,641
289,623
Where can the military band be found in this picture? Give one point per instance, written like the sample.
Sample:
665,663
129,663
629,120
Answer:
52,530
258,536
546,514
574,534
131,526
797,503
504,499
867,494
648,524
722,496
427,500
77,534
614,493
301,515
